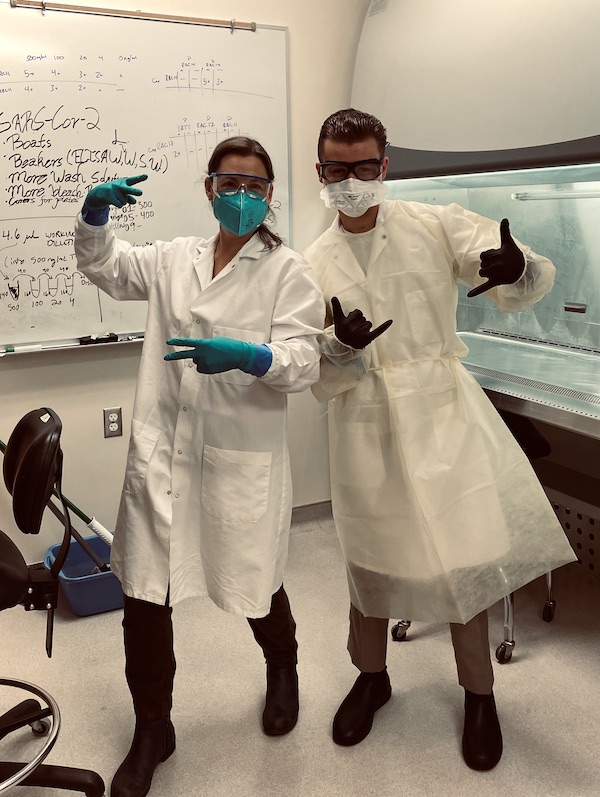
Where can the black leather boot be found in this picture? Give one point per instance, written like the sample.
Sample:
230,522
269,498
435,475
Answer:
150,671
153,742
281,704
354,718
482,737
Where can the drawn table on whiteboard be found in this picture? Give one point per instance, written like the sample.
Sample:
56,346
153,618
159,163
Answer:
85,99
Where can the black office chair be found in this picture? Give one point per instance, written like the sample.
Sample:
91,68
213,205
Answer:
32,471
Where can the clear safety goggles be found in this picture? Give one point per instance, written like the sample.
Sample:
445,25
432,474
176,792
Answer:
336,171
229,184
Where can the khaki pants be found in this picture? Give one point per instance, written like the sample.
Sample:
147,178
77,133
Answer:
367,645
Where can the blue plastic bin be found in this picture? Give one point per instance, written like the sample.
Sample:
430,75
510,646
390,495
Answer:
87,592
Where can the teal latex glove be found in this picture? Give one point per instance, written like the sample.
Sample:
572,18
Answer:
117,192
215,355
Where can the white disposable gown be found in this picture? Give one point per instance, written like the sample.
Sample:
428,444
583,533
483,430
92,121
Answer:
207,498
438,511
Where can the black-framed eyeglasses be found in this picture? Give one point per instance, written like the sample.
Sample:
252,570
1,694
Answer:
230,183
336,171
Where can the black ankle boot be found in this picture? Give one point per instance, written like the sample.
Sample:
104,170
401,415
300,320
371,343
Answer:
354,718
153,742
482,737
281,704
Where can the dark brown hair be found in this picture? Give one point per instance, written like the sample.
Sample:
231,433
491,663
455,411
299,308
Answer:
350,126
246,147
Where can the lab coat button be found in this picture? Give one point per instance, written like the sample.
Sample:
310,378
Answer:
184,409
190,365
197,320
176,495
168,492
179,451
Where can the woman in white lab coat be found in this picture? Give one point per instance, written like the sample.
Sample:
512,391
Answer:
206,504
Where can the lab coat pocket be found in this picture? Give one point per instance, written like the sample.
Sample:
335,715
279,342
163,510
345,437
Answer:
235,484
235,376
428,314
141,447
360,460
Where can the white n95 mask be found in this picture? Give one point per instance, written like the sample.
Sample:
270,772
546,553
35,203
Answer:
353,197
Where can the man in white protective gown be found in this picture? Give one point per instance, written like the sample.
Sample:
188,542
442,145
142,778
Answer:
438,510
207,500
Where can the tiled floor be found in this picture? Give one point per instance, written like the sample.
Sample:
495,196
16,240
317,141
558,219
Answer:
547,696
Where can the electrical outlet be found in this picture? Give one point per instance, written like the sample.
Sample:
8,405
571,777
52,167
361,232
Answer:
113,422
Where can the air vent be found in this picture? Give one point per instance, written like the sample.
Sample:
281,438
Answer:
512,336
579,395
583,532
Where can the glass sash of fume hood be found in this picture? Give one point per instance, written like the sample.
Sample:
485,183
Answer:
543,361
555,211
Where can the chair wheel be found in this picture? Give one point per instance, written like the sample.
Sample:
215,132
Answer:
40,727
548,611
399,630
503,653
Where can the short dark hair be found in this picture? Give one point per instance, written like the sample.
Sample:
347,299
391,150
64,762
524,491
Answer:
349,126
246,147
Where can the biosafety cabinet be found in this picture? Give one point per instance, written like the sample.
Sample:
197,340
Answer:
499,98
542,363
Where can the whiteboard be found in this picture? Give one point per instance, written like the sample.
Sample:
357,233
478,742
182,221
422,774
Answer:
85,99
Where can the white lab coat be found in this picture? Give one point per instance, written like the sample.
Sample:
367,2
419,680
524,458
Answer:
438,511
206,503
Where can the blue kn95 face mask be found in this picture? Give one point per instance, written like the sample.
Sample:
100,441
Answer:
240,213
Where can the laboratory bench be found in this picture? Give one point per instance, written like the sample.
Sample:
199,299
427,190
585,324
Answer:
557,389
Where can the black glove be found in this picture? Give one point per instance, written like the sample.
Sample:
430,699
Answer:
500,266
353,329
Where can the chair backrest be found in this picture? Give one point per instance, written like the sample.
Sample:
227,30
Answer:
33,466
14,574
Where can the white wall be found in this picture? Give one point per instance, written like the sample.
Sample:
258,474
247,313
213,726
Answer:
471,75
77,384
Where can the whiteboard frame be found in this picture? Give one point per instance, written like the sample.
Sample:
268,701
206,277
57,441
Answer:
44,6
